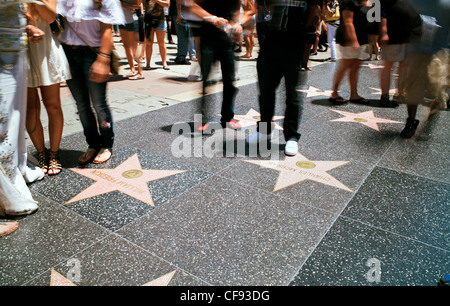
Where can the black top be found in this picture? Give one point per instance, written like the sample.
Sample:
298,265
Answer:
360,22
401,17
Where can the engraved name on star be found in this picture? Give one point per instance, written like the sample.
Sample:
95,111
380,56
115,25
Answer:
128,178
294,170
365,118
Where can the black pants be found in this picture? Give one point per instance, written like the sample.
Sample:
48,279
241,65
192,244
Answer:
277,60
212,49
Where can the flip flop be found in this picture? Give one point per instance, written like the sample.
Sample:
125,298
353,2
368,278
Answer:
166,68
360,101
338,100
137,77
128,76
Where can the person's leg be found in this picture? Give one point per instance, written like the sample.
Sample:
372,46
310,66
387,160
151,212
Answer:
80,62
227,65
342,67
127,40
149,47
162,47
33,121
331,33
182,43
294,107
52,103
353,78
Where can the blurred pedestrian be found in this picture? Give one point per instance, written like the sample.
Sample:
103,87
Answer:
155,23
88,42
332,18
130,37
220,31
280,56
352,38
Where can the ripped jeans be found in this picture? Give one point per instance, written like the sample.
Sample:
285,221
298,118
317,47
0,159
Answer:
98,127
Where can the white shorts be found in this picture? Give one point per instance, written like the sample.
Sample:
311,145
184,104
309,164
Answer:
361,53
393,53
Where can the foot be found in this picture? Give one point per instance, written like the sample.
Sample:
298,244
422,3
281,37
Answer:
258,137
165,67
291,148
359,100
137,77
203,127
232,124
410,128
54,164
103,156
8,227
87,156
43,160
337,100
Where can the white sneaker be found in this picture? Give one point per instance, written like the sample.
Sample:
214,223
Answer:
291,148
258,137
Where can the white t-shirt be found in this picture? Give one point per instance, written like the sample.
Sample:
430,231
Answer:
86,21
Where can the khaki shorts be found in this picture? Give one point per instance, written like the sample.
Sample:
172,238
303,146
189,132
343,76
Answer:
393,53
361,53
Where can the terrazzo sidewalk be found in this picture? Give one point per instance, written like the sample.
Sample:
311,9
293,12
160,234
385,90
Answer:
357,206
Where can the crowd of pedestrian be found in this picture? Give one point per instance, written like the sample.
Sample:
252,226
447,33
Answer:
288,33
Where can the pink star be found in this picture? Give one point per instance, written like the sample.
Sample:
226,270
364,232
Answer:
128,178
315,92
252,117
366,118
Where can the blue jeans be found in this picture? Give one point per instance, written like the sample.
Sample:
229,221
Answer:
185,43
98,128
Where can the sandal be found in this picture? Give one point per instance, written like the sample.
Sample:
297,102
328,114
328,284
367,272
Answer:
43,160
338,100
360,100
102,156
54,164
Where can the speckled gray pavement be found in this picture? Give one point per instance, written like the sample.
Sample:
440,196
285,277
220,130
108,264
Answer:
357,206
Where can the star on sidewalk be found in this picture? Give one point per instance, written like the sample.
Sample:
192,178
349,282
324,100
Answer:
297,169
128,178
252,117
315,92
392,92
365,118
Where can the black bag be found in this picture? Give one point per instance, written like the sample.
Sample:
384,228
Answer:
57,26
151,22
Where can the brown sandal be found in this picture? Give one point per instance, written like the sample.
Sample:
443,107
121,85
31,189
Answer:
43,160
54,164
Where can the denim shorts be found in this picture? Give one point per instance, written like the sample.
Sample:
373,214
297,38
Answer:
131,27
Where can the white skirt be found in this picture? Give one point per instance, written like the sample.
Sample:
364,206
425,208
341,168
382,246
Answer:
47,62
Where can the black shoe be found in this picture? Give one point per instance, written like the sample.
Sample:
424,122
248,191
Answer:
182,62
385,102
410,128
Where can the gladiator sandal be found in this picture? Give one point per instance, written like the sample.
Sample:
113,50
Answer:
54,164
43,160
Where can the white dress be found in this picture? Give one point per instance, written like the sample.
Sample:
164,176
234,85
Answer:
13,151
47,62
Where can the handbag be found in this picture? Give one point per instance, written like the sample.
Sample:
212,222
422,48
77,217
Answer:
57,26
114,63
335,12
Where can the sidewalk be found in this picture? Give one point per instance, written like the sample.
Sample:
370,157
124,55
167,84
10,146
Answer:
357,206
